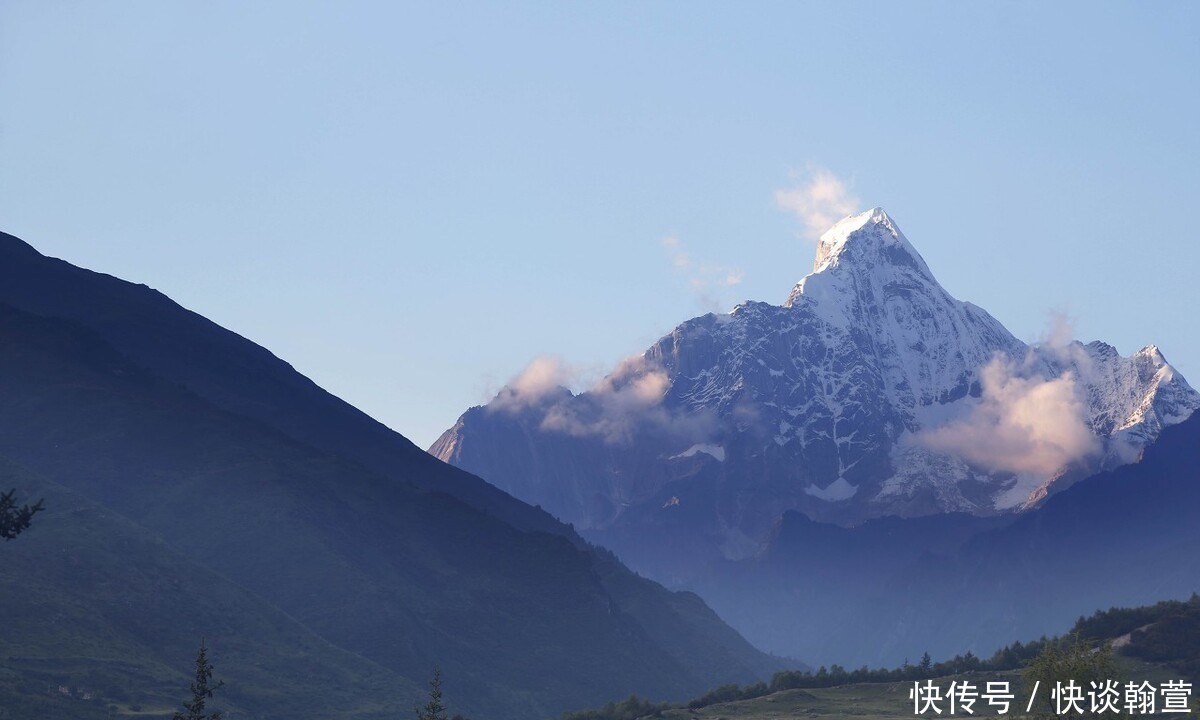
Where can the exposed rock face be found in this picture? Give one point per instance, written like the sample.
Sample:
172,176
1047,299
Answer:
871,391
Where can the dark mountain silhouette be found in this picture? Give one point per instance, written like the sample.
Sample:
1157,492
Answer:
237,464
235,374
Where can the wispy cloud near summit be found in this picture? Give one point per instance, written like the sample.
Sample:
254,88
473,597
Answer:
706,280
818,201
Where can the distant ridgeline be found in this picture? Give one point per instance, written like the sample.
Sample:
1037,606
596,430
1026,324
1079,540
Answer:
1167,633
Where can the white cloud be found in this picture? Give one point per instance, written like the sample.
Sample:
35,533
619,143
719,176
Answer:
679,258
541,378
1060,330
1020,424
630,395
1058,342
705,279
626,401
819,201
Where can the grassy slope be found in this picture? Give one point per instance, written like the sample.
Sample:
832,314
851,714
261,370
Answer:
520,622
884,701
95,603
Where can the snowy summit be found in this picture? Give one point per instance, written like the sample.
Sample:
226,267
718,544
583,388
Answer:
871,391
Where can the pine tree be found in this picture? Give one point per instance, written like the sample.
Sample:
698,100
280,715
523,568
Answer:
434,709
202,690
926,665
14,519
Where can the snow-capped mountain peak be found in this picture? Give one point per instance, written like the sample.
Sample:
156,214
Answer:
872,290
871,391
870,234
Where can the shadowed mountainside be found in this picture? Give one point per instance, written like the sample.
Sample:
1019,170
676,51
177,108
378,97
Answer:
241,466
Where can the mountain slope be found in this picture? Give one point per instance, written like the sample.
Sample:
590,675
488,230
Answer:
380,564
95,603
1125,537
895,588
234,374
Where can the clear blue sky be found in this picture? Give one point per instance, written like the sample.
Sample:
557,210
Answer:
408,202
